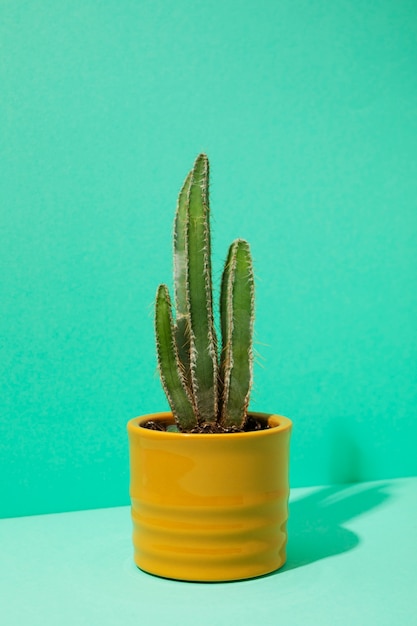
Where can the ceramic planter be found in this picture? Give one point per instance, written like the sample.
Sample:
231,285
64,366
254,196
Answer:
209,507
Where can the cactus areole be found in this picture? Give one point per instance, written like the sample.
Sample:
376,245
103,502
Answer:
207,387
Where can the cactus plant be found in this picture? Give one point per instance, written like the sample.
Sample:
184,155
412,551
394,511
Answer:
207,391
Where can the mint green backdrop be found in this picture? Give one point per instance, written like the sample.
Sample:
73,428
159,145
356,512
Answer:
307,111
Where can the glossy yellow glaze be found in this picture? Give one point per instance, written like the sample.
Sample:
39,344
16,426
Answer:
209,507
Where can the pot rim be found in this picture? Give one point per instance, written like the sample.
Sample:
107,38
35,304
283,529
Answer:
277,423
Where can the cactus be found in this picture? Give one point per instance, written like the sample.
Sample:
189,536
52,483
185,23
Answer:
205,392
237,313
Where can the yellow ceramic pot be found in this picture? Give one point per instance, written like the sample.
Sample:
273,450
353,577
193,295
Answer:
209,507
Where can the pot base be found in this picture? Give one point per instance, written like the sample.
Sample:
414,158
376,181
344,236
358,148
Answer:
207,575
210,543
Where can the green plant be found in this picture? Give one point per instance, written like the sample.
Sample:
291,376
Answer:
207,391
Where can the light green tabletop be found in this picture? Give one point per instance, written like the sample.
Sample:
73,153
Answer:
351,560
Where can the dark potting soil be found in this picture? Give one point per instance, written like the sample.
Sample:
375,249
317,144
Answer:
252,424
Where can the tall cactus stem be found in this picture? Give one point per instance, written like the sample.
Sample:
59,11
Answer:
170,367
237,318
203,342
182,318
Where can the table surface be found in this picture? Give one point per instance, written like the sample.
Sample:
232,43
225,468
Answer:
351,560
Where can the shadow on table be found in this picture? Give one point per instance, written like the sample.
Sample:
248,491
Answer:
315,527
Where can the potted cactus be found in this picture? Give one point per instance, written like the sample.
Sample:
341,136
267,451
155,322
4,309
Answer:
209,479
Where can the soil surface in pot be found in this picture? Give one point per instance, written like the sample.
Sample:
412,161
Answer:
252,424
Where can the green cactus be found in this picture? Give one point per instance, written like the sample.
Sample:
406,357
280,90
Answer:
203,393
237,314
172,372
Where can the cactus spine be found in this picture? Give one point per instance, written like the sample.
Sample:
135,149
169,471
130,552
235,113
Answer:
200,392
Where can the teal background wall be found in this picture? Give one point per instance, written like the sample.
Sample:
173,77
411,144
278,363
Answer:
307,111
